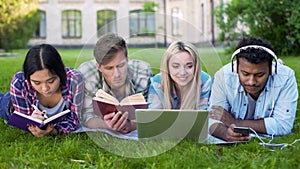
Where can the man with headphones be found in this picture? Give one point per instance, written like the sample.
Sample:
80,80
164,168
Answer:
253,91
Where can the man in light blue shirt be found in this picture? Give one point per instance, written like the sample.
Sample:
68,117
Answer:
253,92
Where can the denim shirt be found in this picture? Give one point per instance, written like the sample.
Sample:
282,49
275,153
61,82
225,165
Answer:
156,100
276,104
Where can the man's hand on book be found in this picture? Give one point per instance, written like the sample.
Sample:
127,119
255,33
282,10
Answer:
36,131
127,128
118,122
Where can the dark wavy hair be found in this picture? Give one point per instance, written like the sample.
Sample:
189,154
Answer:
41,57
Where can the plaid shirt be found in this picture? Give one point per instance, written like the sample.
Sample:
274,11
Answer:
23,95
139,73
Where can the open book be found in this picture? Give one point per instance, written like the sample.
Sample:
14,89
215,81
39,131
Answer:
21,120
104,103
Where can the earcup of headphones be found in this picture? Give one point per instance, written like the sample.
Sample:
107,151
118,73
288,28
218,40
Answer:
234,67
273,71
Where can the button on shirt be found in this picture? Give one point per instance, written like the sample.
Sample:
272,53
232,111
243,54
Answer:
139,73
276,104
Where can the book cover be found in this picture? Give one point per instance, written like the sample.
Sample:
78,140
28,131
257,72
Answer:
104,104
21,120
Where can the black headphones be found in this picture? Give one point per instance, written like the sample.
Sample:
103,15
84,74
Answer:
274,66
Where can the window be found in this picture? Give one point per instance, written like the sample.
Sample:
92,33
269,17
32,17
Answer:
41,28
106,22
176,16
71,24
142,23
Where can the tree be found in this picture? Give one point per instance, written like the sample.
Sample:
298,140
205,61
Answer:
150,6
275,20
18,21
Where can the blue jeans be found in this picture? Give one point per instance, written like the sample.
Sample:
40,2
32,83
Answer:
4,104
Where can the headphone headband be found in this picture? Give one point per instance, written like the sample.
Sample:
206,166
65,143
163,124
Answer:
256,47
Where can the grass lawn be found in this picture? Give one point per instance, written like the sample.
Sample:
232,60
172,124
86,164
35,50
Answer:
22,150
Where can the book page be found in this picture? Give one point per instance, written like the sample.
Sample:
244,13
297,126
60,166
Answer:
104,100
134,99
105,97
56,116
29,117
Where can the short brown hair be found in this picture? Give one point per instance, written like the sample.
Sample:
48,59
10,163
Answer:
108,46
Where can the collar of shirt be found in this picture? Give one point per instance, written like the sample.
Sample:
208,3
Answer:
128,91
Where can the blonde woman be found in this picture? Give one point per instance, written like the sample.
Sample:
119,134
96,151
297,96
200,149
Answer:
180,81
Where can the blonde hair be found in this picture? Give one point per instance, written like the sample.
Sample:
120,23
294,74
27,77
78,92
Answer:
191,92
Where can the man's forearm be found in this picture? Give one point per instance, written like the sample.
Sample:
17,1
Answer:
218,130
96,123
257,125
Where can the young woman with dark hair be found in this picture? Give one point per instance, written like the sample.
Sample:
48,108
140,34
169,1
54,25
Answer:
45,83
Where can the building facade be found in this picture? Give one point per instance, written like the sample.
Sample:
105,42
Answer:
80,22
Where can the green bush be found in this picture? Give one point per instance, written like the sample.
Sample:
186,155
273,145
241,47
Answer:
276,21
18,21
